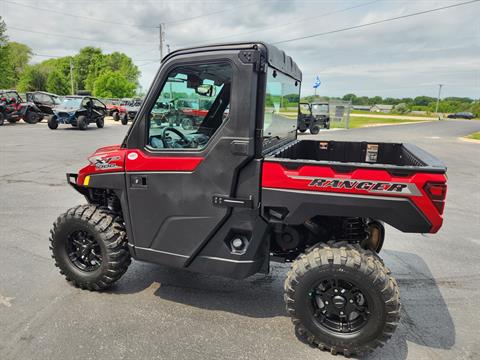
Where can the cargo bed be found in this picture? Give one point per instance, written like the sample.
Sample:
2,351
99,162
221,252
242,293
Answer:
394,157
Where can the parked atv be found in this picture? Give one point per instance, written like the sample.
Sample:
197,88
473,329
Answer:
241,191
313,116
131,110
39,105
12,106
306,120
78,111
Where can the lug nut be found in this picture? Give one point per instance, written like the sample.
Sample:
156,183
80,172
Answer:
351,301
341,312
326,302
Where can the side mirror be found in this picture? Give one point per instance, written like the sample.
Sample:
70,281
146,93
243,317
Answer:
205,90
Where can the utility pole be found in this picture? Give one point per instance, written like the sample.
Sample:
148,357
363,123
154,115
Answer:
71,77
161,33
438,98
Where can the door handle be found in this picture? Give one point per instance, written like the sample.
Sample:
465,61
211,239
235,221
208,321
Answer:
240,147
138,181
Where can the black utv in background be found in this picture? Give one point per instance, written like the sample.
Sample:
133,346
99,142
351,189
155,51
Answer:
313,117
78,111
40,104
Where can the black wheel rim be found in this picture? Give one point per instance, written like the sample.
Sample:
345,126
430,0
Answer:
339,306
84,251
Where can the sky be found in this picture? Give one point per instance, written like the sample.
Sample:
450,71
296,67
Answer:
403,58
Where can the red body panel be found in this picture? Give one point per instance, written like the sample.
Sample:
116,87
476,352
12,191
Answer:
115,159
194,112
274,175
138,161
104,160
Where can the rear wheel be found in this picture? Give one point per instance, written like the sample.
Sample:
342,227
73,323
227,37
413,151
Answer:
116,117
89,246
52,122
82,122
2,119
342,298
100,122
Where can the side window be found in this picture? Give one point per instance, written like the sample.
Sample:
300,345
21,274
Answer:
97,103
281,105
191,106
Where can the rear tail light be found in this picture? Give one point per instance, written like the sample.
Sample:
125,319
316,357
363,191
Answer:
437,193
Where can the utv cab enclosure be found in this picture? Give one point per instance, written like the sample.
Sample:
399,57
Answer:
238,191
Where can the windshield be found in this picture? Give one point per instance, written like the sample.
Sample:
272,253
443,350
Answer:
71,102
319,109
281,106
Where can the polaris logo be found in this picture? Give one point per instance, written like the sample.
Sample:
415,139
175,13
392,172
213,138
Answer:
363,185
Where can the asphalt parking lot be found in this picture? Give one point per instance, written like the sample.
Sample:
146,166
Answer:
157,312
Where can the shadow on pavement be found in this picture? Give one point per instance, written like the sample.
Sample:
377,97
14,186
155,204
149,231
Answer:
260,296
425,318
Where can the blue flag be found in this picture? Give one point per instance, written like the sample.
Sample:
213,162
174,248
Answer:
317,83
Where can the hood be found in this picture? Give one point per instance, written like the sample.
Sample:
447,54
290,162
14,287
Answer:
65,109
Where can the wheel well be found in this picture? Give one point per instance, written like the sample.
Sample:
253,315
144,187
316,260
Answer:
105,198
289,241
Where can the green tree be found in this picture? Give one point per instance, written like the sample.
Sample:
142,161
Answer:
350,97
20,55
401,108
5,64
113,84
33,78
58,83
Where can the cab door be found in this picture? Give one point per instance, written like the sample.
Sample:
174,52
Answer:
181,181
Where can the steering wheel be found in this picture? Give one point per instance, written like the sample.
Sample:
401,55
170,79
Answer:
180,134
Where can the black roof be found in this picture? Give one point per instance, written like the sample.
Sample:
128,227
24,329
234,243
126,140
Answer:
275,57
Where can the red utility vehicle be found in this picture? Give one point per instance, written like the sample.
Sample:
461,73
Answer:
241,191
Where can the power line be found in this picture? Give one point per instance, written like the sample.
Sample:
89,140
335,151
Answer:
149,63
376,22
77,16
268,28
207,14
76,38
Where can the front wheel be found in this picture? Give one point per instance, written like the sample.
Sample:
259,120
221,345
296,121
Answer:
89,245
187,124
2,119
125,119
314,130
52,122
115,116
82,122
342,298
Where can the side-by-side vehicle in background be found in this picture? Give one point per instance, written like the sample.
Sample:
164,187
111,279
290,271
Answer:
239,191
12,107
78,111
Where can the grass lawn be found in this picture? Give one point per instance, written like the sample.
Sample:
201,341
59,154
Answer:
475,136
358,122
